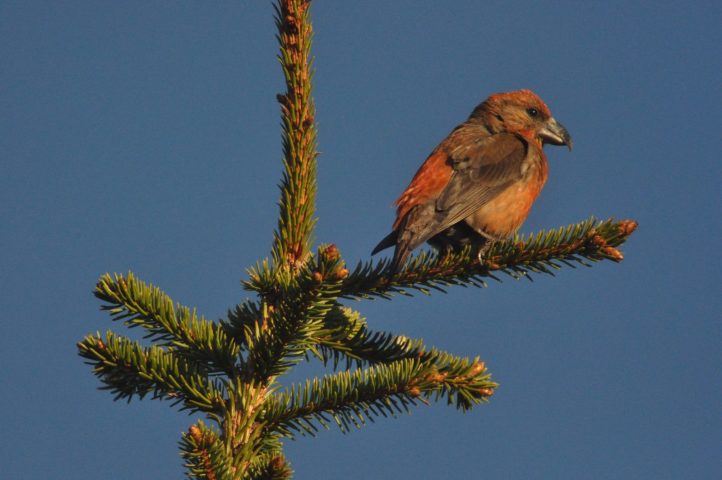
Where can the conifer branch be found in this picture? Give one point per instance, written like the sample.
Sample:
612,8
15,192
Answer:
350,398
347,398
544,252
204,454
138,304
292,240
270,466
344,335
297,312
128,369
241,322
244,435
347,336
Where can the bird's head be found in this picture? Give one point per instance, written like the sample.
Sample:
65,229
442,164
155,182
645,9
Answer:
524,113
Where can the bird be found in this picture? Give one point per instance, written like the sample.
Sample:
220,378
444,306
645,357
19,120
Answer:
478,185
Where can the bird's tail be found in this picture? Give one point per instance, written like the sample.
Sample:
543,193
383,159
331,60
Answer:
400,254
388,241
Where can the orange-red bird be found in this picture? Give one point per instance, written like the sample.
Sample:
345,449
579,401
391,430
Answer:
479,184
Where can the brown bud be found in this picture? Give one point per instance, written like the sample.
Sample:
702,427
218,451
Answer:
436,377
331,252
341,273
101,345
414,391
598,240
196,434
626,227
277,463
318,277
613,253
477,368
486,392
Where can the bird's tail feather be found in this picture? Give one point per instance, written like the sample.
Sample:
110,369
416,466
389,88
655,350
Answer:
400,254
388,241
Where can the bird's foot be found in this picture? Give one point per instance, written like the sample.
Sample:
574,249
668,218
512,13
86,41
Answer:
482,250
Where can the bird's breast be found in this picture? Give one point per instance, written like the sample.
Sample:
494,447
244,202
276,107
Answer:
505,213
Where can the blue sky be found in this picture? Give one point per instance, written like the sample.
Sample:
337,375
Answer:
145,136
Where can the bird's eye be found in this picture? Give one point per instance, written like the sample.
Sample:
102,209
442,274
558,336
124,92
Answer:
533,112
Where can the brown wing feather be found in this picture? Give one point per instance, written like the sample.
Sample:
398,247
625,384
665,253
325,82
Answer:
429,181
481,171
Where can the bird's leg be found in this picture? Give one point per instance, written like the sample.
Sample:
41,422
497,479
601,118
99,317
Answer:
483,248
460,236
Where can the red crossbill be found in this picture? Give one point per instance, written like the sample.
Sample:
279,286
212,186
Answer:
479,184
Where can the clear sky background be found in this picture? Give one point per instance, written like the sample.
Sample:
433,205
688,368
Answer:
145,136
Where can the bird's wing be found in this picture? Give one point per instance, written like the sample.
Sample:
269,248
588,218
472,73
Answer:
429,181
482,170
